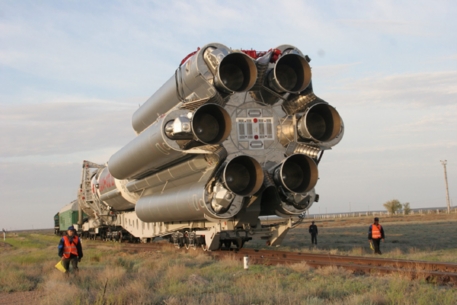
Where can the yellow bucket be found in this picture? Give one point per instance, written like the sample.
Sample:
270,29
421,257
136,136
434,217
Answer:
60,267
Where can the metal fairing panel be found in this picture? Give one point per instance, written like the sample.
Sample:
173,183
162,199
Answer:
109,192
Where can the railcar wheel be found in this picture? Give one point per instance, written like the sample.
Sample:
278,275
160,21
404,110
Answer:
227,244
239,243
186,240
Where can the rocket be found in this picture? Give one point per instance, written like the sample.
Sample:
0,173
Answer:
231,135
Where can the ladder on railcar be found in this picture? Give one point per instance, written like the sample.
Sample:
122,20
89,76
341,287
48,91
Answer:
86,193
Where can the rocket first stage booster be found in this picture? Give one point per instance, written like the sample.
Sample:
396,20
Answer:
232,135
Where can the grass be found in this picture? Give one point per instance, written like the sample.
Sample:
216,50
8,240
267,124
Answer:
426,238
110,276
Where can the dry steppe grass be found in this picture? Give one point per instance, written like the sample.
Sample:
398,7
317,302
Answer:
109,275
427,237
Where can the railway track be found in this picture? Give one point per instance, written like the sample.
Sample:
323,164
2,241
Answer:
434,272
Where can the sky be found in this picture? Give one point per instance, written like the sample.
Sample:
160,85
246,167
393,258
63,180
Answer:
73,72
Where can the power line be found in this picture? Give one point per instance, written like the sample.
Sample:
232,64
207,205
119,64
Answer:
447,188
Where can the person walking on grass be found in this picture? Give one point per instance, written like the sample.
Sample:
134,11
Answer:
313,232
375,234
70,250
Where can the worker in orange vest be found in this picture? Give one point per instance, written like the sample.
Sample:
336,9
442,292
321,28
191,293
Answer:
70,249
375,234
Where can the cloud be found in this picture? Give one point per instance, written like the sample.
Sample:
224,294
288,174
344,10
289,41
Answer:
75,45
411,148
33,193
64,125
442,120
416,90
397,27
333,71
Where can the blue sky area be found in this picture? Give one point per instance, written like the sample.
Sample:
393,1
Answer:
73,72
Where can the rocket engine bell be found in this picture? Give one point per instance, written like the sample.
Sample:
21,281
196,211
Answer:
291,73
232,133
209,124
297,174
243,176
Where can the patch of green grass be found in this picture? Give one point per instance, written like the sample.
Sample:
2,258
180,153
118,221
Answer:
31,241
30,257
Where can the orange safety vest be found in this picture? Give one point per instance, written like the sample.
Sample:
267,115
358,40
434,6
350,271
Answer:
376,231
70,248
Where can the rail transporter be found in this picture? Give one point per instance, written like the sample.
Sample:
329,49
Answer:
232,136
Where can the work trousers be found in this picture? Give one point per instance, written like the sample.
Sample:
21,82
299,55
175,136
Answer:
314,239
74,263
377,245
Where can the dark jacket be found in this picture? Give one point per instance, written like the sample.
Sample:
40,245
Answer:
78,247
313,229
370,230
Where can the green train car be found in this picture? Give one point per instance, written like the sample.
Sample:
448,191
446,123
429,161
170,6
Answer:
56,224
68,216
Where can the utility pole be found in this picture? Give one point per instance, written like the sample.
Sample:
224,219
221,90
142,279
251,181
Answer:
447,188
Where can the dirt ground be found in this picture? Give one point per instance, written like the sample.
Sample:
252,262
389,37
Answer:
19,298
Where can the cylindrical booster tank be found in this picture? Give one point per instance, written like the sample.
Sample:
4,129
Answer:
155,148
190,198
214,68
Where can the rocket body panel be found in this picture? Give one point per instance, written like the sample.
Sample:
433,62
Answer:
117,202
180,170
109,193
254,129
204,74
189,78
159,103
104,182
170,140
148,152
183,199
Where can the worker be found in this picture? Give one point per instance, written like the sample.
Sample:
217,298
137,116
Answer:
375,234
70,250
313,232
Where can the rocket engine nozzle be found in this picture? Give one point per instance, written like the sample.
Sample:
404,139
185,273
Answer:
320,123
243,176
237,72
209,124
291,73
298,174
